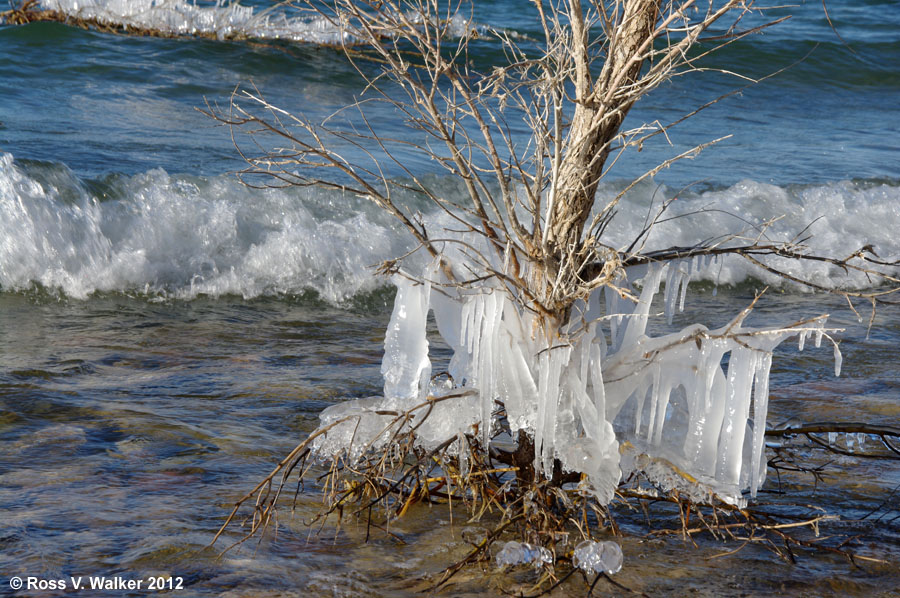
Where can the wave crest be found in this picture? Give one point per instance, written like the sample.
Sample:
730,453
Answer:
184,236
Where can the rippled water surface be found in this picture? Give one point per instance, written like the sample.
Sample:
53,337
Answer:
129,426
167,335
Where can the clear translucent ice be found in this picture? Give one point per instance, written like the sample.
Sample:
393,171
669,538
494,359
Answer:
521,553
600,396
598,557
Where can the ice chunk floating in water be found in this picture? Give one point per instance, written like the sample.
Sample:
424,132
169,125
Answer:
598,557
521,553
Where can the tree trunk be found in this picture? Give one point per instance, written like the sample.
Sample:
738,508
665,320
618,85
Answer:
600,109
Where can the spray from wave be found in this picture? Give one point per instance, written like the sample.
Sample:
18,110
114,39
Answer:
182,237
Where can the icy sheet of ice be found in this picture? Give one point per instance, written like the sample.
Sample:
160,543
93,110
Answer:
180,17
357,428
221,18
598,557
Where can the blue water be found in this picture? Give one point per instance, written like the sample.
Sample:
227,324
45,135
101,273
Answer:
166,335
103,104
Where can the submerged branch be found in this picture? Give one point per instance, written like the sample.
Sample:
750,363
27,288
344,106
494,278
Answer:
887,434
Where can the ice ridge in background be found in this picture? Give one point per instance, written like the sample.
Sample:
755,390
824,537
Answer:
222,19
182,236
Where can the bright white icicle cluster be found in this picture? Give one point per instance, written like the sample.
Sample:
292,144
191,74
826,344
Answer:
600,396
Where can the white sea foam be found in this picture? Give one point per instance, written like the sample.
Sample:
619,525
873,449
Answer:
834,219
184,236
222,18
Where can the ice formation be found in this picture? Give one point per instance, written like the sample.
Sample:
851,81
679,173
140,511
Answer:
222,18
522,553
180,17
600,396
598,557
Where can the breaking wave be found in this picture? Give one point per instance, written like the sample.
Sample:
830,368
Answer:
183,236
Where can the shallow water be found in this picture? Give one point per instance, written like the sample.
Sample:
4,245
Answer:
166,335
129,426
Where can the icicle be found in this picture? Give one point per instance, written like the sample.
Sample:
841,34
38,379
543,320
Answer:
518,390
838,360
597,379
640,398
672,279
466,323
493,307
542,406
685,279
636,324
558,358
612,307
741,368
663,403
463,456
654,401
406,365
474,326
760,410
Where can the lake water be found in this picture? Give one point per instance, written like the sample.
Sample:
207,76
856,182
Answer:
167,335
